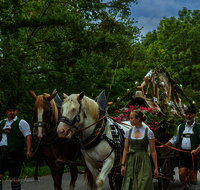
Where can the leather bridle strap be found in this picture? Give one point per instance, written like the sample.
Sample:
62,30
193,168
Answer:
91,124
120,122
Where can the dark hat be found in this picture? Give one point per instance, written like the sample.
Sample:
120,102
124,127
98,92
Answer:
191,109
11,105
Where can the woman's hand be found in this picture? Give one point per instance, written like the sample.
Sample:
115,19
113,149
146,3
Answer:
155,173
122,170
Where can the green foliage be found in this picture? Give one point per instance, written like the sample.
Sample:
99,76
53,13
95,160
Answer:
177,47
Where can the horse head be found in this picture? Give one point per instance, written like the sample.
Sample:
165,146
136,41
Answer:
45,113
73,114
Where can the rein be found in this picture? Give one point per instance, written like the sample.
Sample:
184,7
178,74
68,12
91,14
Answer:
176,149
120,122
77,130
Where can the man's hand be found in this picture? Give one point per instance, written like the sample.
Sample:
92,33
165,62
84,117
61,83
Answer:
29,154
162,146
195,152
168,143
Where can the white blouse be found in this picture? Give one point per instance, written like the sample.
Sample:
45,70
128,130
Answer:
142,129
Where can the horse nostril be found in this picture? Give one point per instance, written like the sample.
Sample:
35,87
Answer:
62,131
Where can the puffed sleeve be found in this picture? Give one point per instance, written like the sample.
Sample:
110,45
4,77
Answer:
175,139
127,134
24,127
150,134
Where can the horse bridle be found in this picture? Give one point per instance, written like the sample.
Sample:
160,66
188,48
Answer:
75,120
44,124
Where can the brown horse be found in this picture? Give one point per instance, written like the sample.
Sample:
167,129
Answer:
51,146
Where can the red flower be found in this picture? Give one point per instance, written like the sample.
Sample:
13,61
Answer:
155,128
116,111
124,111
156,123
155,108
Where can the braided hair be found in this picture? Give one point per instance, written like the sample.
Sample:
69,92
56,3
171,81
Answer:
140,114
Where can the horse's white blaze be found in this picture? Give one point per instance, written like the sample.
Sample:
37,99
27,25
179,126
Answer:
40,113
73,111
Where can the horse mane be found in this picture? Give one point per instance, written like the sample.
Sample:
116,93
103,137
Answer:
92,107
54,107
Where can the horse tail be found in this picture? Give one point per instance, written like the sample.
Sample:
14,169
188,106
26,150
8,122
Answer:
88,176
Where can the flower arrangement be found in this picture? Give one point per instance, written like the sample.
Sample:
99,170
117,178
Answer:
163,127
151,113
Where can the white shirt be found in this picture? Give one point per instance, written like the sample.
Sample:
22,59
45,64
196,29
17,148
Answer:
186,144
23,126
142,129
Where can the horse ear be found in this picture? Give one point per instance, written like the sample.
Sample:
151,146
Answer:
80,96
33,95
49,98
65,95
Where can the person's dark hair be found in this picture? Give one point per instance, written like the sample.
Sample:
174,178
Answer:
140,114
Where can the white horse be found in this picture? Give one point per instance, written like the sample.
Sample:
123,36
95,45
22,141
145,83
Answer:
80,107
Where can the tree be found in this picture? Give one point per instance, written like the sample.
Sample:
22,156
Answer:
150,38
68,45
177,47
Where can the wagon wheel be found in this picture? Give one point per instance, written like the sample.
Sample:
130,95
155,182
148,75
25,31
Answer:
163,184
115,181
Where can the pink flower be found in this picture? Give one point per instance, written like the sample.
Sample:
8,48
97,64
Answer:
155,108
131,106
156,139
126,115
156,123
124,111
119,119
149,109
155,128
116,111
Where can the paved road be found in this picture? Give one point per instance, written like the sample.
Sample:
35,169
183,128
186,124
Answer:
46,183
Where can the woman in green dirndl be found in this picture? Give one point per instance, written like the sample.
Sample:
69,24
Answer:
136,165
